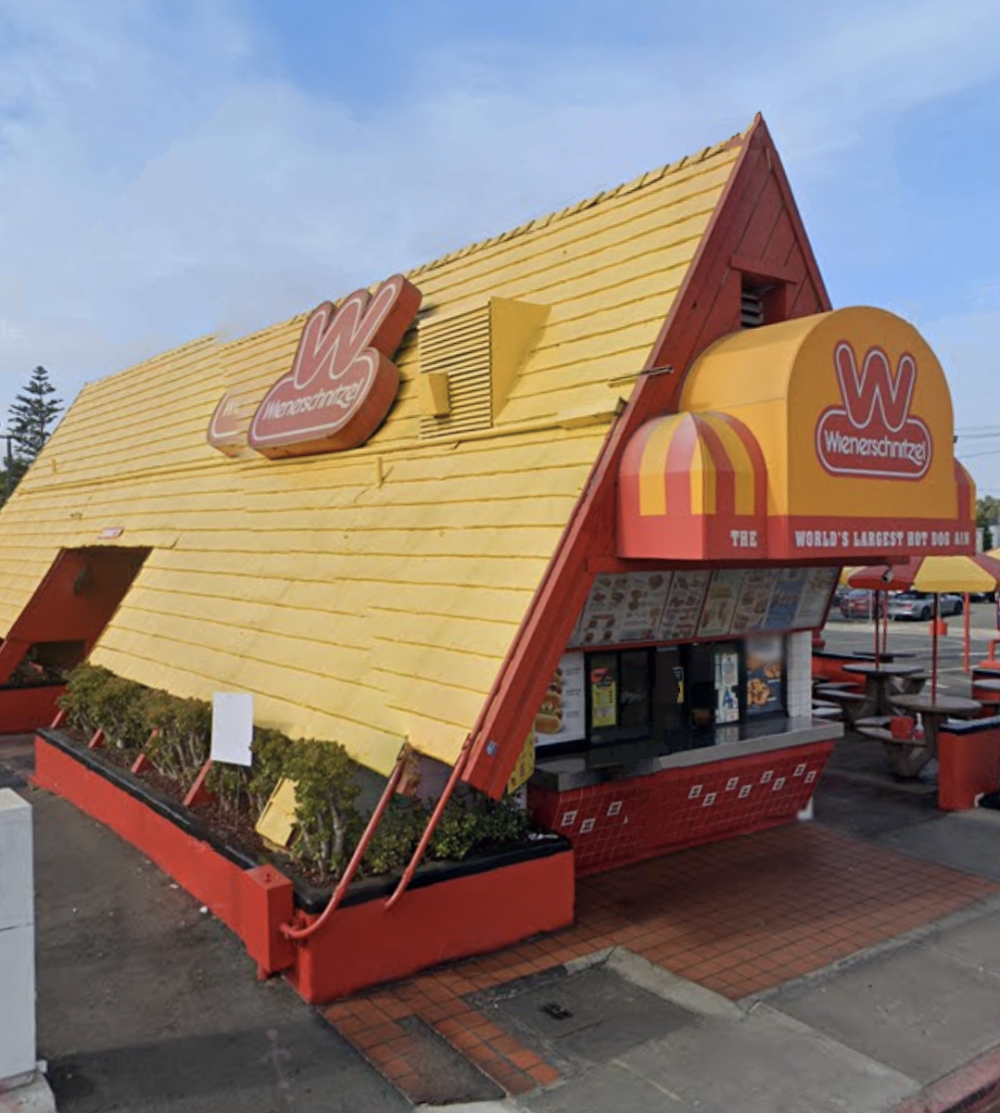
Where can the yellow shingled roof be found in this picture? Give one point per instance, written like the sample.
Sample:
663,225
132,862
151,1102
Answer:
370,595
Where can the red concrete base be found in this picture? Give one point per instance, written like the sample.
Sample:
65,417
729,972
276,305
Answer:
968,763
363,944
439,918
617,822
23,710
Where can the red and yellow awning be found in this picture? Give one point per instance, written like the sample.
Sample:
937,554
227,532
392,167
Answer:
690,486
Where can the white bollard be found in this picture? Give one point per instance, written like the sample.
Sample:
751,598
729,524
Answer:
21,1086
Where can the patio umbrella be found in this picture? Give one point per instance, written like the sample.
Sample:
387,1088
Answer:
844,579
933,574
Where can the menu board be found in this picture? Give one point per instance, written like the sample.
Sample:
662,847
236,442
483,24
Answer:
785,598
720,606
815,598
754,600
622,607
683,606
629,607
562,715
765,675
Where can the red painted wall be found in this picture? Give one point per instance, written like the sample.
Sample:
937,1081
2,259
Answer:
74,601
23,710
618,822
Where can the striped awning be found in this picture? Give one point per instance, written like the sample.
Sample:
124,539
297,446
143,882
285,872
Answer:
692,487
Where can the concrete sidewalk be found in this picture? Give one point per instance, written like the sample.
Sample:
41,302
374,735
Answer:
726,978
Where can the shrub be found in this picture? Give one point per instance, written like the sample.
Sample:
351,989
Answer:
326,817
396,837
184,733
83,690
473,820
96,698
237,787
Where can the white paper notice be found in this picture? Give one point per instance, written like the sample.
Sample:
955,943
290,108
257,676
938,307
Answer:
232,727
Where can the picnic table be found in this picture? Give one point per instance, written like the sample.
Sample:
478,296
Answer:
882,682
907,757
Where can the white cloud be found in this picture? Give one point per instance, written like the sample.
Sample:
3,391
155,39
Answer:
154,186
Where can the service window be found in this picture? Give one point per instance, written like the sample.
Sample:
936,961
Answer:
619,695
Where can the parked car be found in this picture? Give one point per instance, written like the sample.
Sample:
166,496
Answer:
920,605
983,597
858,603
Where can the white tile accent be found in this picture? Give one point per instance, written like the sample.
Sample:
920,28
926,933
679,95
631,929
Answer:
695,792
587,826
810,776
745,791
799,769
767,776
615,807
732,783
568,819
778,785
709,800
798,677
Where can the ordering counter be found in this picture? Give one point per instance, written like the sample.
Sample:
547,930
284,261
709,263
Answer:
701,731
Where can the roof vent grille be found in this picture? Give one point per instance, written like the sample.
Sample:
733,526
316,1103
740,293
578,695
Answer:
752,308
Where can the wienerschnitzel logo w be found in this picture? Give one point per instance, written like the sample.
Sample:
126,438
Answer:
873,434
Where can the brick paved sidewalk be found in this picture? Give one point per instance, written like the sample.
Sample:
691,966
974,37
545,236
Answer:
737,917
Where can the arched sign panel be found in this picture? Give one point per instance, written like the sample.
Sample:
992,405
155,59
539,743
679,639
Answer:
853,414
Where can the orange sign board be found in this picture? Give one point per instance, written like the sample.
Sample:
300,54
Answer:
342,382
341,385
227,430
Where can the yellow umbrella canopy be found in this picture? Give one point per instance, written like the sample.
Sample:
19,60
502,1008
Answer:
934,574
954,573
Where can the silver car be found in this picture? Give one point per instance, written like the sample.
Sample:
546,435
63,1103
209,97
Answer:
920,605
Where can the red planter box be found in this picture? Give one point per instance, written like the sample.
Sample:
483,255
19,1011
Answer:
23,710
617,822
449,912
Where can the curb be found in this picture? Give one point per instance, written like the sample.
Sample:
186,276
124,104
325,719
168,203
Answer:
972,1088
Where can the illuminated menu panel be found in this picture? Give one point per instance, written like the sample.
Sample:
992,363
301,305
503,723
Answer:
683,607
628,607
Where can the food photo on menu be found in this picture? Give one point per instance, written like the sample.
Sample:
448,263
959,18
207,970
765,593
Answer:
561,715
765,671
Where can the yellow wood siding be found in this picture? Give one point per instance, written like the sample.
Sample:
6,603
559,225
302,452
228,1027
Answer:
368,596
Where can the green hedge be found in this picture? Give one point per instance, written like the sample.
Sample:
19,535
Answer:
328,821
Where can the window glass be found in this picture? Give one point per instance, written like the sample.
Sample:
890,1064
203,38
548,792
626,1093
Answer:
634,695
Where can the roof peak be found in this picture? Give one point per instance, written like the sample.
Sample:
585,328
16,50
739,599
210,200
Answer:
645,179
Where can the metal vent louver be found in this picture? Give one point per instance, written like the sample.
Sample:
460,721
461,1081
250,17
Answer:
460,347
752,308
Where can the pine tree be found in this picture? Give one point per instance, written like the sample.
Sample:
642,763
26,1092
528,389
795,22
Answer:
32,417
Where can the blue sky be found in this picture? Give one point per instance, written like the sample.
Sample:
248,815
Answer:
173,169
